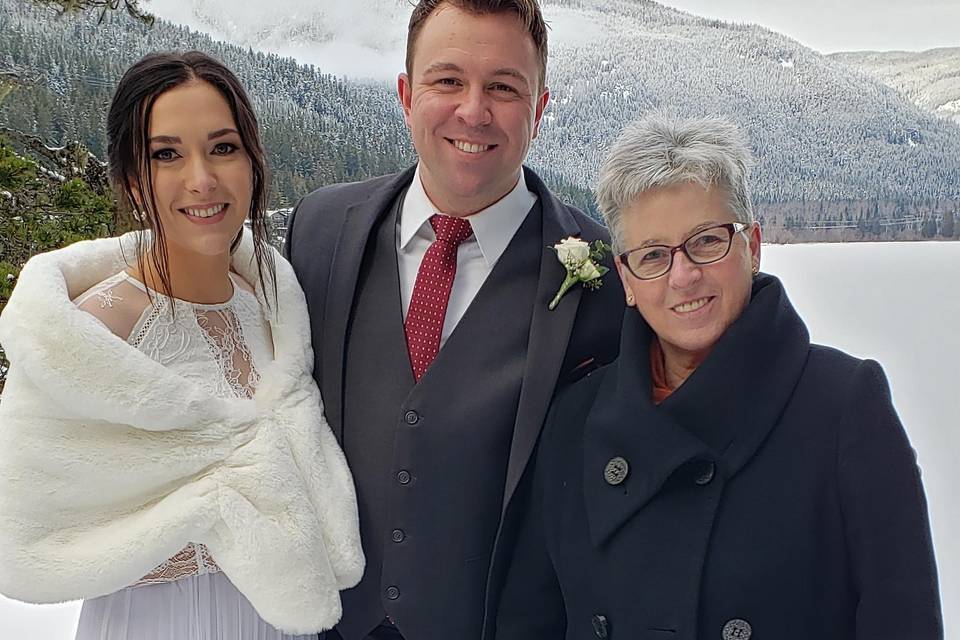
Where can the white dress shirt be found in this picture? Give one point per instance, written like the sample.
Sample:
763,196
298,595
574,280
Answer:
493,229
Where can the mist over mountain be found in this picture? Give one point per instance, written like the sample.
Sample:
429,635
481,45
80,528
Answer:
362,39
931,79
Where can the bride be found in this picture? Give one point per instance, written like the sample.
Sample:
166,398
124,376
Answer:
162,448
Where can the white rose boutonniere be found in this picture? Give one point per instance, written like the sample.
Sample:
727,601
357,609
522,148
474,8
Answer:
581,260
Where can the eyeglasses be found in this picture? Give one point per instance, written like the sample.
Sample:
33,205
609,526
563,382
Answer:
703,247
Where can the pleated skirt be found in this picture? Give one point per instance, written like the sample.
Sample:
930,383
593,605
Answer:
201,607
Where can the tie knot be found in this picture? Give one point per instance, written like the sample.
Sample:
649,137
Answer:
450,229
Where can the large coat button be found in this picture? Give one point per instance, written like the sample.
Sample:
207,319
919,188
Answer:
600,626
737,629
705,472
616,471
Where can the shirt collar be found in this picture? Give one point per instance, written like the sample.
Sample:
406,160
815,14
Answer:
493,227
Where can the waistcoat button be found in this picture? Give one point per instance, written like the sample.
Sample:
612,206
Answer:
737,629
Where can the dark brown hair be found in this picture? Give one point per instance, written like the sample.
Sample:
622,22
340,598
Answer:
527,11
128,149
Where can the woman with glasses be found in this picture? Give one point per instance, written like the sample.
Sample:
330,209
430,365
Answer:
724,479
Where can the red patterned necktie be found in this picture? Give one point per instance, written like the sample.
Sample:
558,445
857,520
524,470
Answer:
428,304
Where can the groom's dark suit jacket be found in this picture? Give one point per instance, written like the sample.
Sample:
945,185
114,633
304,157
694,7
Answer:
440,465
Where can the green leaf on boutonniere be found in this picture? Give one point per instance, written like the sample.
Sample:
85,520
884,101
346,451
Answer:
582,263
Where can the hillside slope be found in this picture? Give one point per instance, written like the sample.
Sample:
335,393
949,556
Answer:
931,79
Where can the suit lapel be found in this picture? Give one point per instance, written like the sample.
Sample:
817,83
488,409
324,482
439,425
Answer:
549,330
359,220
549,334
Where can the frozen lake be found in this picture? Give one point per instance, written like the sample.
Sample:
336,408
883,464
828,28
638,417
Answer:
898,303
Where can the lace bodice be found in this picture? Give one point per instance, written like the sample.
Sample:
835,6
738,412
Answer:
222,347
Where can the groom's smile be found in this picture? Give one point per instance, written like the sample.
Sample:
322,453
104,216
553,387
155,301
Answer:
472,148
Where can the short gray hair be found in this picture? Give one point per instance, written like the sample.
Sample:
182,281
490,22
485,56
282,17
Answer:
660,150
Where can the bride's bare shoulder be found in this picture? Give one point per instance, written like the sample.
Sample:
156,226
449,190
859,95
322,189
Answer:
116,302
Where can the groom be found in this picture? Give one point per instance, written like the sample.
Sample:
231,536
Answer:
435,351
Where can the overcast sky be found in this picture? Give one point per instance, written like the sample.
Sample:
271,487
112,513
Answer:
844,25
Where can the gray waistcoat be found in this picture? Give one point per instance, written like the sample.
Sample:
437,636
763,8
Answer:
429,460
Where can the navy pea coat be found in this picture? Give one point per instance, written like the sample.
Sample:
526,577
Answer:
773,496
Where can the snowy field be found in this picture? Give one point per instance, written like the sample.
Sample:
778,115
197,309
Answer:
898,303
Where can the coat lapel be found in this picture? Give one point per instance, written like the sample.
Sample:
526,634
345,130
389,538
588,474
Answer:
359,220
549,334
732,401
624,423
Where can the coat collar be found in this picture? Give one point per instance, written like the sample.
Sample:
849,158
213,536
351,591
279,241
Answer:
738,393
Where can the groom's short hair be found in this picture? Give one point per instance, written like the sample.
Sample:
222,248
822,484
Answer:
527,11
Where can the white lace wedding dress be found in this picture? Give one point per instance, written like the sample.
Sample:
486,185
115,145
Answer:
222,347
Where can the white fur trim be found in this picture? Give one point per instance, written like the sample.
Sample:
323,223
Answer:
110,463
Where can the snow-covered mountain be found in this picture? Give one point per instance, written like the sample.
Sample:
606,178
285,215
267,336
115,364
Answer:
930,78
821,130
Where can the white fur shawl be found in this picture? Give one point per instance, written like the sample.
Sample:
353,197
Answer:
110,463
